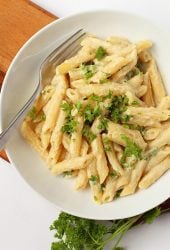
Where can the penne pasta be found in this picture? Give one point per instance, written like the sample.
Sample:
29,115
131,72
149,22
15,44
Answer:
104,119
71,164
135,178
155,173
156,82
115,132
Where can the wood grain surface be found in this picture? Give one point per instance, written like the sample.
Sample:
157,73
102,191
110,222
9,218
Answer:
19,20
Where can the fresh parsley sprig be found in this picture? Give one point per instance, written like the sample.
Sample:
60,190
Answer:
117,107
70,124
74,233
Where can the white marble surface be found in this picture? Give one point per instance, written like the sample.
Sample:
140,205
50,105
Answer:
24,215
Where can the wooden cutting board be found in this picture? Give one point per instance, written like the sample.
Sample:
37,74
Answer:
19,20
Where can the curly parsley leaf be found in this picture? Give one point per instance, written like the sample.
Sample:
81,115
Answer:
70,125
74,233
131,149
103,125
106,144
117,107
88,134
79,106
88,70
94,179
66,107
91,113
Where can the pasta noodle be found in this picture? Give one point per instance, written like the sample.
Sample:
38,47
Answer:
104,119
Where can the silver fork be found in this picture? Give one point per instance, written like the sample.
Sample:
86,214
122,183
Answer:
65,50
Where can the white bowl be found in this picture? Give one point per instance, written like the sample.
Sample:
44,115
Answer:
19,83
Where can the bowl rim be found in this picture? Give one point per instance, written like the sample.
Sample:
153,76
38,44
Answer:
26,44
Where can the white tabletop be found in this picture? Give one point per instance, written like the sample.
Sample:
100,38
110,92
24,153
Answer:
24,215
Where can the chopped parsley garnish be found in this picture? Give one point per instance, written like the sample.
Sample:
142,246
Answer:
68,173
104,80
113,174
96,98
103,125
100,53
106,144
131,149
67,107
91,113
32,113
43,117
117,107
70,125
94,179
88,134
135,103
79,106
88,70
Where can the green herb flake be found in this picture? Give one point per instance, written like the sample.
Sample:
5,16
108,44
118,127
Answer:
43,117
135,103
66,107
150,216
117,107
96,98
88,70
79,106
100,53
113,174
91,113
103,125
68,173
106,144
32,113
94,179
131,149
95,198
70,125
88,134
104,80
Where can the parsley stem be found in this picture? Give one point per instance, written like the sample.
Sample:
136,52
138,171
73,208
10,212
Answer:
121,229
121,236
97,243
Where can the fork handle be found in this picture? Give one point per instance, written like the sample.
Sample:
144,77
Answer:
7,132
